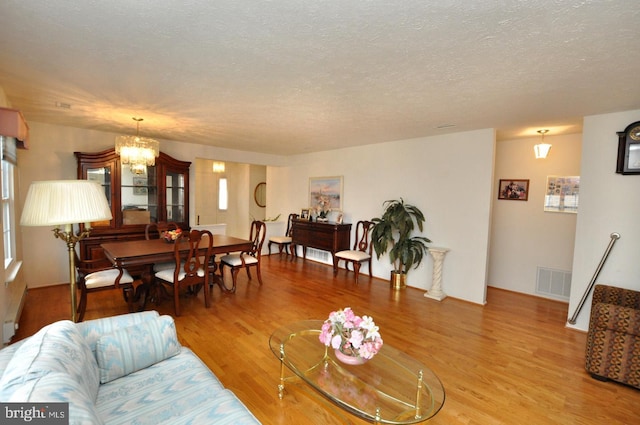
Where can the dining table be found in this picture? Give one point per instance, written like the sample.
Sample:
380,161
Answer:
143,254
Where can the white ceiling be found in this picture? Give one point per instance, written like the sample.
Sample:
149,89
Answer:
292,76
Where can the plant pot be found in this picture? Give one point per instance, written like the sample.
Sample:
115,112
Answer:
398,280
350,360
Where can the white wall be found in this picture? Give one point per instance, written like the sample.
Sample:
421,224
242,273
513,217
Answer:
523,236
448,177
609,202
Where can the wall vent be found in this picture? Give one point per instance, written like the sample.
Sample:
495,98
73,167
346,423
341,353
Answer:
553,283
318,255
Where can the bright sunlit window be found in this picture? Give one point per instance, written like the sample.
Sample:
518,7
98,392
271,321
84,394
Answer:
8,214
223,194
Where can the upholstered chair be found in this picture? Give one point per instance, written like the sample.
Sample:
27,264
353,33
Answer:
246,259
613,339
283,242
361,252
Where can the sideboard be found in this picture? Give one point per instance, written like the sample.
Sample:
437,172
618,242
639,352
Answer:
328,236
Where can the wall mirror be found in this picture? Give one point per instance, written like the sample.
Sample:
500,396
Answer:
260,194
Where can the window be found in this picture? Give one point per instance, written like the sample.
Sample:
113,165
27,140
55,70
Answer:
8,214
223,194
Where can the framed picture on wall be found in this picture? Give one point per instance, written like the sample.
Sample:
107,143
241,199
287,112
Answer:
513,189
325,193
563,194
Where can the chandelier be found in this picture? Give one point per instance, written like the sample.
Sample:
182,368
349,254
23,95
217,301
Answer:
137,152
542,149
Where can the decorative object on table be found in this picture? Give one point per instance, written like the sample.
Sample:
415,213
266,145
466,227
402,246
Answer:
66,202
304,214
325,195
629,150
563,193
392,232
170,236
513,189
355,339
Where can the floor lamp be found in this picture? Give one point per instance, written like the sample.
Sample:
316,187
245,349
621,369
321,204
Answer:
65,203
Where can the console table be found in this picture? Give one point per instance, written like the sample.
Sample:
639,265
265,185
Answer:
328,236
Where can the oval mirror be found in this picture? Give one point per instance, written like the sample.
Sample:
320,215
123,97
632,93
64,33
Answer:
260,194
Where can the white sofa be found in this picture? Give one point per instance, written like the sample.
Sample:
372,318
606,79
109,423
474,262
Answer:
127,369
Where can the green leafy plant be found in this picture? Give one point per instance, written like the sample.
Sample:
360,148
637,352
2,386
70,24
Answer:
392,232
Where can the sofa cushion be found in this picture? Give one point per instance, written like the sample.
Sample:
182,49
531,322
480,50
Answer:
58,347
136,347
179,390
92,330
59,387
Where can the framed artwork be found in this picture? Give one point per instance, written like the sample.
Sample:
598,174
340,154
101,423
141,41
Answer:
513,189
304,214
563,194
325,193
139,185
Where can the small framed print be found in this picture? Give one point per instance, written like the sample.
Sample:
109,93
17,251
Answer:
304,214
139,185
513,189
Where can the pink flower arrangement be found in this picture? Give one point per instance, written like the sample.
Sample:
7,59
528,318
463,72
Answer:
352,335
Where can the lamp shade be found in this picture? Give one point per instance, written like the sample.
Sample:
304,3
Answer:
58,202
542,150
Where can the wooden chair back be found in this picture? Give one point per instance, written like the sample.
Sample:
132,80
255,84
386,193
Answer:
289,231
363,239
257,235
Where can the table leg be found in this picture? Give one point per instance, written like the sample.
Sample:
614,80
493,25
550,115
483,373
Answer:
418,413
281,385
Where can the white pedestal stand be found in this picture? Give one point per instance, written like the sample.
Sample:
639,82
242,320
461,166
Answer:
436,291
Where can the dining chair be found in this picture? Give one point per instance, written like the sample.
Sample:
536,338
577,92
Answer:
360,253
283,242
190,270
155,231
246,259
97,275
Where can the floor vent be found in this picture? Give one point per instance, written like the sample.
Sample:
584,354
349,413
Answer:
554,283
318,255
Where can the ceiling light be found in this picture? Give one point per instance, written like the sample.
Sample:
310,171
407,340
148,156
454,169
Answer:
542,148
138,152
218,167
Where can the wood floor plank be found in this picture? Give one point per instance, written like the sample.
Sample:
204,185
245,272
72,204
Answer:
512,361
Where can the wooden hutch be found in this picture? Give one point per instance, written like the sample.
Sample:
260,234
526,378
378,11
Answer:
160,194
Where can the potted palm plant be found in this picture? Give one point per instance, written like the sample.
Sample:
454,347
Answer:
393,232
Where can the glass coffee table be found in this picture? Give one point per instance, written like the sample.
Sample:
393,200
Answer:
391,388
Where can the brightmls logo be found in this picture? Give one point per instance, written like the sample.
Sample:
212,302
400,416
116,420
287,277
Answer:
34,413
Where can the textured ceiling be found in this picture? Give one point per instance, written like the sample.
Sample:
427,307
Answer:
292,76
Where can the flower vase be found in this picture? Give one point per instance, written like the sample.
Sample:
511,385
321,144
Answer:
350,360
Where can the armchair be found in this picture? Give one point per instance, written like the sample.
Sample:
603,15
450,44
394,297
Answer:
613,339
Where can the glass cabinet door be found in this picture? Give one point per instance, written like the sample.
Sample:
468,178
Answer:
175,196
102,175
139,196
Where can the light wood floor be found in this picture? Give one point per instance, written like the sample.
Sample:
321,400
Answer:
512,361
